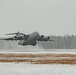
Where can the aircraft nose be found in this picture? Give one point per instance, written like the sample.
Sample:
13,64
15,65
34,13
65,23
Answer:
37,33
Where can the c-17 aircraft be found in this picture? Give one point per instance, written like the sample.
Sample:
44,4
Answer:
30,39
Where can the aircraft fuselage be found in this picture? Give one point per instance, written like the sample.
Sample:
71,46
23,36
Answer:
31,40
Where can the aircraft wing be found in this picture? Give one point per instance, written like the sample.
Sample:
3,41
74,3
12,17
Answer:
13,38
42,38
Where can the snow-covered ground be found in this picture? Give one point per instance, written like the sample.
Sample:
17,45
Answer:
36,69
27,51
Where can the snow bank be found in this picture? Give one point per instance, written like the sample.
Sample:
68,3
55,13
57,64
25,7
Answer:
36,51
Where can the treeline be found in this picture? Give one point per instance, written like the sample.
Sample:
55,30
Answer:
61,42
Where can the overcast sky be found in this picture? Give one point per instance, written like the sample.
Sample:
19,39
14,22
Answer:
48,17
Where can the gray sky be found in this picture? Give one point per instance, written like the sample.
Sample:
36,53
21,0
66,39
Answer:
48,17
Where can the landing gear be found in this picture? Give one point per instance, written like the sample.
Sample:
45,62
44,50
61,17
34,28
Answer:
34,43
23,45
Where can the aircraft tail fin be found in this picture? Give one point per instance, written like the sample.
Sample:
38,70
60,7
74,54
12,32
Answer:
18,33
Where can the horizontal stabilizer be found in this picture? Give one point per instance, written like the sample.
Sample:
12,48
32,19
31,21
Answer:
11,34
18,33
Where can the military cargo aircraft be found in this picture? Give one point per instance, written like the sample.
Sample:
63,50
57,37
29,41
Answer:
30,39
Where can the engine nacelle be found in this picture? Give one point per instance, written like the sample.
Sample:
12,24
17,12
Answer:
27,35
24,35
15,37
42,35
48,38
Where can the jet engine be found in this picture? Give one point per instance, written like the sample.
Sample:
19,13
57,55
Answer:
15,37
48,38
27,35
23,36
42,35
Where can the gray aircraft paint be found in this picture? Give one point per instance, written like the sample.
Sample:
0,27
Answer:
32,38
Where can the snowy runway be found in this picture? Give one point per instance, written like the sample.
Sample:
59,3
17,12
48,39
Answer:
36,69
